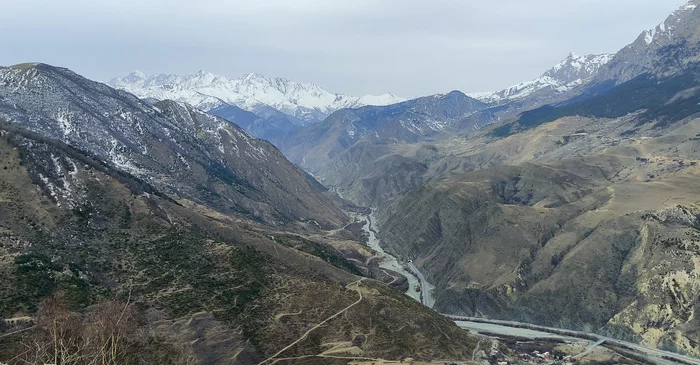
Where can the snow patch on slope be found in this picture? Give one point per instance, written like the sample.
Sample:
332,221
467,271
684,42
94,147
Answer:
667,27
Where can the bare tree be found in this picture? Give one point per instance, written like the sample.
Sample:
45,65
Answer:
61,329
65,338
110,324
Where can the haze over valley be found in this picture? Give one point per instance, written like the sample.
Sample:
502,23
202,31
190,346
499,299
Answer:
216,218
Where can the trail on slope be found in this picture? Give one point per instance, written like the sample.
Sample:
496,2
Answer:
590,348
18,331
349,286
476,348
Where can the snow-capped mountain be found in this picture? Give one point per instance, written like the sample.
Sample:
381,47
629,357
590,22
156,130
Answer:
678,36
572,72
663,50
304,101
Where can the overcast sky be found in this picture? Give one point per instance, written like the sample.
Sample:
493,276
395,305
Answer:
408,47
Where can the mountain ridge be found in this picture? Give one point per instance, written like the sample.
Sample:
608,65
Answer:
572,72
204,288
410,121
181,150
303,100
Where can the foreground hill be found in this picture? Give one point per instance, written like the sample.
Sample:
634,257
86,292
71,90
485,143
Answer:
208,243
205,288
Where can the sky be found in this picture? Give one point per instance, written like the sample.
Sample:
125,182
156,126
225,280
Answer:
408,47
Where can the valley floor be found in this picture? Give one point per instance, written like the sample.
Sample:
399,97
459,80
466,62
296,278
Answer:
524,331
392,263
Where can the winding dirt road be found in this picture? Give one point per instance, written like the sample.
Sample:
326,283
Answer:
349,287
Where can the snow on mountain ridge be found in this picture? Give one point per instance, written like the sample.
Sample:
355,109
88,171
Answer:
306,101
667,27
573,71
579,64
380,100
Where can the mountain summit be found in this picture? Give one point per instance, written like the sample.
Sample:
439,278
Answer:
305,101
568,74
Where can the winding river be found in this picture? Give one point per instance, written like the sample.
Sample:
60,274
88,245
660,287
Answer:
392,263
505,327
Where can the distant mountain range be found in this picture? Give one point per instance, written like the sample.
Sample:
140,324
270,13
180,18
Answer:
435,117
306,102
275,108
577,73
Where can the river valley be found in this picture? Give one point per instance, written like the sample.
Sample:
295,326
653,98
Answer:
508,329
392,263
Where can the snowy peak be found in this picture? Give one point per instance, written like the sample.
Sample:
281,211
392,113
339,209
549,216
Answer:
306,101
572,72
576,67
136,76
380,100
681,27
666,29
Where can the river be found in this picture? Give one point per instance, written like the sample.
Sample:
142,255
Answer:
505,327
527,330
392,263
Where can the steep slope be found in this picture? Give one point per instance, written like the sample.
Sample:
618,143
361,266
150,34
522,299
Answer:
304,101
579,77
592,226
412,121
184,152
567,79
205,290
658,98
657,74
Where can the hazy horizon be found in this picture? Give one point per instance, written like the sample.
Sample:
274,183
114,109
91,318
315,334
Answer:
409,48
